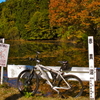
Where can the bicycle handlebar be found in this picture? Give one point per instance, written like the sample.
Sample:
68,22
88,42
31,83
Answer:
36,58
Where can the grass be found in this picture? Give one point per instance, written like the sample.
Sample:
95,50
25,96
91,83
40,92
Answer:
11,93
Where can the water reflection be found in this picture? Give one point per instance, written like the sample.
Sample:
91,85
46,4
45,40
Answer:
52,52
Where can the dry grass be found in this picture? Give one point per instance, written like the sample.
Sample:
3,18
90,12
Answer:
10,93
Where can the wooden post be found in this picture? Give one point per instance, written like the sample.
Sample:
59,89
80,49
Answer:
4,49
2,40
91,67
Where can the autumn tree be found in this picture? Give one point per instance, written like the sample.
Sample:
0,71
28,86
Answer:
50,19
75,18
57,12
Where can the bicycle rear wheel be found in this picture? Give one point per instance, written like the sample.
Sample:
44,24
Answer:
75,84
28,82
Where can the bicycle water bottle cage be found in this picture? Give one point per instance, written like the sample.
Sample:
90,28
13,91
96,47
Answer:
65,65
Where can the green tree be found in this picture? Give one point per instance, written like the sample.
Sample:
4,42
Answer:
38,27
13,33
18,13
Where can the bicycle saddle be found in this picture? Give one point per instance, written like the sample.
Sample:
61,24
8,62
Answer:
63,62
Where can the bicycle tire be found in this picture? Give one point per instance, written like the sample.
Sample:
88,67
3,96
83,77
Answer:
28,82
76,86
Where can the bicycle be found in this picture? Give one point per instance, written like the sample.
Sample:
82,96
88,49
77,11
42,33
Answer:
64,85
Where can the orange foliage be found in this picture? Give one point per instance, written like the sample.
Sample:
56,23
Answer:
56,10
64,12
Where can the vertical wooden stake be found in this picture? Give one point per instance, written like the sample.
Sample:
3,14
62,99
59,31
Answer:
2,69
2,74
91,67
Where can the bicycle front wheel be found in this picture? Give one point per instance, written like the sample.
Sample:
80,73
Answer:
76,86
28,82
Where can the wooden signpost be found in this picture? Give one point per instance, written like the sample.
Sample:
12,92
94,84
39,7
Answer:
91,67
4,49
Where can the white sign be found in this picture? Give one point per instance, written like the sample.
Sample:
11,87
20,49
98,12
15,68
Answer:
4,49
91,67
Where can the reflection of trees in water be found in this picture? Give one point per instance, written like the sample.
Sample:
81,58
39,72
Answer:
51,53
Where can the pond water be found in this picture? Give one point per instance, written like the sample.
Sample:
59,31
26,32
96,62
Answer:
51,53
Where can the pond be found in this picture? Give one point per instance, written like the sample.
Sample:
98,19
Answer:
51,53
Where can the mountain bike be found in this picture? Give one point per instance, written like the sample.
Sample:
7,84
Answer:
65,85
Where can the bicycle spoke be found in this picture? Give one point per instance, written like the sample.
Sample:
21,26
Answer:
75,84
26,83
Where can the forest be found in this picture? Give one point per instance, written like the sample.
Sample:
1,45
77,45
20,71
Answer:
71,20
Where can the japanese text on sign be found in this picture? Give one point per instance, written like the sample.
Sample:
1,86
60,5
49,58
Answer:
4,48
91,67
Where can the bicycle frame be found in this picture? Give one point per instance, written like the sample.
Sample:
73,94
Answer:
64,85
45,76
